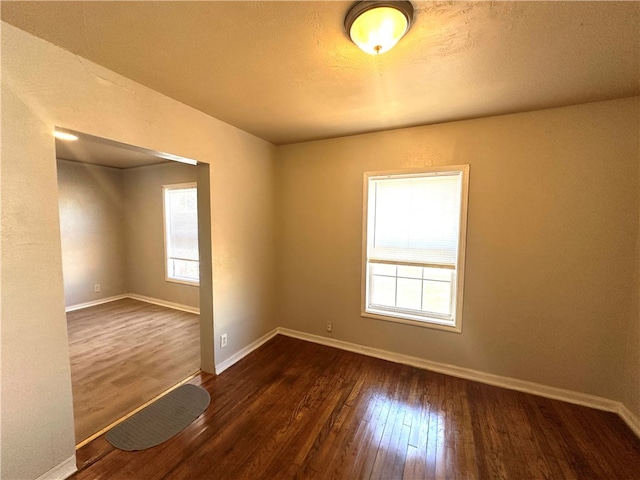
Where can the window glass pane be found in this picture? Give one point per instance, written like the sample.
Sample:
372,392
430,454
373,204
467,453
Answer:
436,297
181,233
183,224
437,274
184,269
383,291
410,272
383,269
409,293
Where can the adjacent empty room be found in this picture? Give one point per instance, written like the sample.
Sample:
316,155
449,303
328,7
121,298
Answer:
129,236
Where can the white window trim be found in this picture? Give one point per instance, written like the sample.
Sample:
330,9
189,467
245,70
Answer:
167,278
434,323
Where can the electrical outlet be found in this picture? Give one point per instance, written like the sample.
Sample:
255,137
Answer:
329,326
96,287
223,340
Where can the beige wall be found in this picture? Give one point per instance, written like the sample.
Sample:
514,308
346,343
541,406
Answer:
44,86
631,375
112,233
91,208
143,213
244,265
36,410
552,244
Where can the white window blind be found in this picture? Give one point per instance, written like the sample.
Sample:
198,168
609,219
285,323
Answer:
181,232
416,219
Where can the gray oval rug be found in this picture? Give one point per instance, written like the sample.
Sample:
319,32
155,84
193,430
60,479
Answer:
161,420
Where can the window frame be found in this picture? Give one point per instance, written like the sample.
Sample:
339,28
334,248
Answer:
420,320
167,277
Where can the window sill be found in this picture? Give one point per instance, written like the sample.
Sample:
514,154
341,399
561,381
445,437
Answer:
182,282
417,323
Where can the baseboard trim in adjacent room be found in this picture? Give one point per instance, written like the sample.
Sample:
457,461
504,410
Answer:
555,393
164,303
62,471
80,306
236,357
135,296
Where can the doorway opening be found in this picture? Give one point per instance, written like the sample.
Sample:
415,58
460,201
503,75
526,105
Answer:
133,332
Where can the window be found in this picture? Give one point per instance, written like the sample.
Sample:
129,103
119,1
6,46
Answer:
181,233
415,228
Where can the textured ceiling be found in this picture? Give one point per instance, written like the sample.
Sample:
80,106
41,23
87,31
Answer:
286,72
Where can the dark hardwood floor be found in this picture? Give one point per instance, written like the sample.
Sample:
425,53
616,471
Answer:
293,409
125,353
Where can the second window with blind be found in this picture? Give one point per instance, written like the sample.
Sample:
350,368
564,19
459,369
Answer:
415,231
181,233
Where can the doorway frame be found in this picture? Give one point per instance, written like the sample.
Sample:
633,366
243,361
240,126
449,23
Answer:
206,319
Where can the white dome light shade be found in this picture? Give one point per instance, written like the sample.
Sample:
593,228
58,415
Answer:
376,27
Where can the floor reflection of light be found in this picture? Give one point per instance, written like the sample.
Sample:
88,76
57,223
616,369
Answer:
424,429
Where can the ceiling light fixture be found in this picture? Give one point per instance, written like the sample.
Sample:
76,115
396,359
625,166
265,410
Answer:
376,26
70,137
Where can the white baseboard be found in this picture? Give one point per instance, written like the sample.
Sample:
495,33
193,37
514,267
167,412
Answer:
164,303
555,393
630,419
80,306
236,357
135,296
62,471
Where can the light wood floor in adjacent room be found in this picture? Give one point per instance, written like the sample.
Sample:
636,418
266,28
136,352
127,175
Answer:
293,409
123,354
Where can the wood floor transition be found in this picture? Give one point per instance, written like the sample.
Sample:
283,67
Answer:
293,409
123,354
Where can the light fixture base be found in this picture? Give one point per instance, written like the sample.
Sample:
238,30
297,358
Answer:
376,26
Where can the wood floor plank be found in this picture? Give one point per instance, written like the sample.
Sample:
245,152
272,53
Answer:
123,354
613,446
415,466
260,388
551,449
297,410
